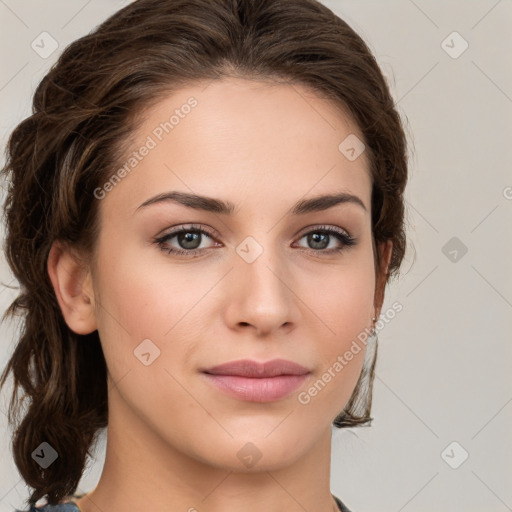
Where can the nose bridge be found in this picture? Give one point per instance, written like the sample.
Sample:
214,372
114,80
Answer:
260,264
263,297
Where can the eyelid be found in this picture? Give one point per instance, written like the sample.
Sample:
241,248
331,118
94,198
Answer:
322,227
184,227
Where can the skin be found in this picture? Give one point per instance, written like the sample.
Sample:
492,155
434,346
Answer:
173,438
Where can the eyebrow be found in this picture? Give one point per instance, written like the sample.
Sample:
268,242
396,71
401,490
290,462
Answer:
210,204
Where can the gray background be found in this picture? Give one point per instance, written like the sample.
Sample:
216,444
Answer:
443,374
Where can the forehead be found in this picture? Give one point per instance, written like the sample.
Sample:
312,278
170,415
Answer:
246,138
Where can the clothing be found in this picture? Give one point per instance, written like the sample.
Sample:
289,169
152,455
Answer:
68,505
341,506
61,507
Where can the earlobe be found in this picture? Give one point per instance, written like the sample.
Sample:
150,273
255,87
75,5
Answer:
71,281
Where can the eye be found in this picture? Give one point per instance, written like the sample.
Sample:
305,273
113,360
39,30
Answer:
188,238
320,238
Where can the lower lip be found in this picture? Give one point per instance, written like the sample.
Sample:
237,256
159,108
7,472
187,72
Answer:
257,389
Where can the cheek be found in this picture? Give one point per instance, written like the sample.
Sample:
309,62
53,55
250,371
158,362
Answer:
146,327
343,299
142,299
345,309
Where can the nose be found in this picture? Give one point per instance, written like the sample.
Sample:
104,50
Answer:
261,296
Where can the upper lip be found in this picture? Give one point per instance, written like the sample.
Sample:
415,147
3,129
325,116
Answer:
255,369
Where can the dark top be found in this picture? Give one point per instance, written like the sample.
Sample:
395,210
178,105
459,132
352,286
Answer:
68,505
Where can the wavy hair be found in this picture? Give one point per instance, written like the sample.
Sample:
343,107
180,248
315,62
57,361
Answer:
85,111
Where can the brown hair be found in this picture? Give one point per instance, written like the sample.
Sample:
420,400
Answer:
85,111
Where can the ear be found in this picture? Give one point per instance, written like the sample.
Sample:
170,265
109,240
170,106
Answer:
72,283
385,250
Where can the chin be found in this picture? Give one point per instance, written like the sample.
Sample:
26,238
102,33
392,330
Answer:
255,453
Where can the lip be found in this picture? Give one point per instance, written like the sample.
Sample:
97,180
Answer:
253,381
255,369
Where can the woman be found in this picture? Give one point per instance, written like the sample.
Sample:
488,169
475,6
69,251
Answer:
204,211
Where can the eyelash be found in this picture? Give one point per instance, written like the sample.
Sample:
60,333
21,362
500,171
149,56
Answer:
344,237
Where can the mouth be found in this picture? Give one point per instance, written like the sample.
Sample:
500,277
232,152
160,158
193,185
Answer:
252,381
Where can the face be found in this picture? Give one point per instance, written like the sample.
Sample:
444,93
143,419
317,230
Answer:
182,285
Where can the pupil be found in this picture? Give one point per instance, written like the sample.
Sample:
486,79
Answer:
319,238
189,240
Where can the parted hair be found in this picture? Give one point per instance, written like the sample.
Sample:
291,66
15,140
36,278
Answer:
85,111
